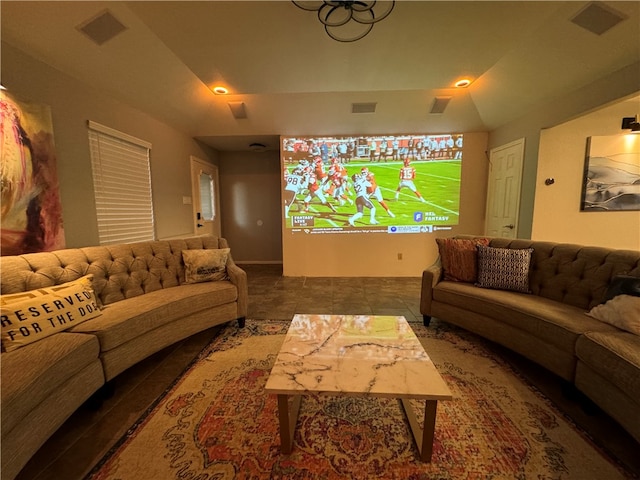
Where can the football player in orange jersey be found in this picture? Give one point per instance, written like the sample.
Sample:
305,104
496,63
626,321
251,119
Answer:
374,190
321,174
407,176
339,185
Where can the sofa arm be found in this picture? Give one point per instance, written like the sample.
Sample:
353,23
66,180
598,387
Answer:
239,278
430,278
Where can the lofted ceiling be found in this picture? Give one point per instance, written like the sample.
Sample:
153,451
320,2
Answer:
292,78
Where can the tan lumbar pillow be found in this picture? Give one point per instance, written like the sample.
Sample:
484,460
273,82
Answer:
205,265
31,316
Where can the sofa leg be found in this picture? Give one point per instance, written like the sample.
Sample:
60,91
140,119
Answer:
426,320
95,401
570,391
241,322
589,407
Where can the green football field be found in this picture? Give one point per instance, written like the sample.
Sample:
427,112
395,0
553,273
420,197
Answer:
437,180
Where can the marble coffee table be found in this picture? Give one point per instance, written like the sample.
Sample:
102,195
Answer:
355,355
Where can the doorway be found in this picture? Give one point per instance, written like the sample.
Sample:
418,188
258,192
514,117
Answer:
504,186
205,193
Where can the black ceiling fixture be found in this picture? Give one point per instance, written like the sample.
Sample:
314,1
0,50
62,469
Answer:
348,21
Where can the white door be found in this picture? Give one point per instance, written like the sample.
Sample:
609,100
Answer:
206,198
503,197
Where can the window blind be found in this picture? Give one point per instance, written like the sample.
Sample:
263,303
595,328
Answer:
122,186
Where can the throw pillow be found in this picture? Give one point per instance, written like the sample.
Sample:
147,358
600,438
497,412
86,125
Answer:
459,258
622,311
504,268
31,316
205,265
623,285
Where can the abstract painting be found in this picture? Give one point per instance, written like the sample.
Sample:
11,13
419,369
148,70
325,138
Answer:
31,209
612,173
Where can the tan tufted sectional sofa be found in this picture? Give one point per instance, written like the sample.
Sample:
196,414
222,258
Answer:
147,307
550,326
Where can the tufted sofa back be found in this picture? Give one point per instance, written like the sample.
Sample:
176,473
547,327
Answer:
119,271
572,274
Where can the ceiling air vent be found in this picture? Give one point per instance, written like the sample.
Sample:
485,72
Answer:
363,107
102,28
439,104
238,110
598,18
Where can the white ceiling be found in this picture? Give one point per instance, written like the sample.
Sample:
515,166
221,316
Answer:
294,79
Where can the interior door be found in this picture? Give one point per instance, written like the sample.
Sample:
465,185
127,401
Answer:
206,198
503,197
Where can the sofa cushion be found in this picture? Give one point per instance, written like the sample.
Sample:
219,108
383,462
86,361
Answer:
30,374
31,316
128,319
205,265
504,268
622,311
460,258
615,356
551,321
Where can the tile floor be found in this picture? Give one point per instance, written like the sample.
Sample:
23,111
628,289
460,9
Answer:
89,434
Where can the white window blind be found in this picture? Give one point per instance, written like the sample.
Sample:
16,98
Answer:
122,186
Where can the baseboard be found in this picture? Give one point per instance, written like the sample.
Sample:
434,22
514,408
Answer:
257,262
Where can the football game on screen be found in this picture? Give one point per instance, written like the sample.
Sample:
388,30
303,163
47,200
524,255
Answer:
371,184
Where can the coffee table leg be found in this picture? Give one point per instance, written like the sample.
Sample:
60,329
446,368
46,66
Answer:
288,418
423,436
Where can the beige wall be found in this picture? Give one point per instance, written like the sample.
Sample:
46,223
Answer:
557,214
258,175
250,199
72,104
577,101
365,255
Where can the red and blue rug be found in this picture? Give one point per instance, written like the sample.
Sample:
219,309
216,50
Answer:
216,422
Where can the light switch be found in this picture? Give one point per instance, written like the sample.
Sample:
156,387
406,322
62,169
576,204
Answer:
186,200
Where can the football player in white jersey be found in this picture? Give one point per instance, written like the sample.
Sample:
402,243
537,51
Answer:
360,185
295,182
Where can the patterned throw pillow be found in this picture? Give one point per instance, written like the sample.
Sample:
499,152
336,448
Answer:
205,265
504,268
459,258
31,316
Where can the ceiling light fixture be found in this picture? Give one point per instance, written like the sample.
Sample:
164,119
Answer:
258,147
465,82
631,123
220,90
336,16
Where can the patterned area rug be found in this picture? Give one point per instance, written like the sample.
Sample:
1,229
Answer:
216,422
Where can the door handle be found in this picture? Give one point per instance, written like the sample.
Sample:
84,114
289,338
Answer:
510,226
200,225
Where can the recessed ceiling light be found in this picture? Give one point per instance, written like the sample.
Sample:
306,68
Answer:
220,90
465,82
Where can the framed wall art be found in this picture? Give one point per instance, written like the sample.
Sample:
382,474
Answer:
611,179
31,208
